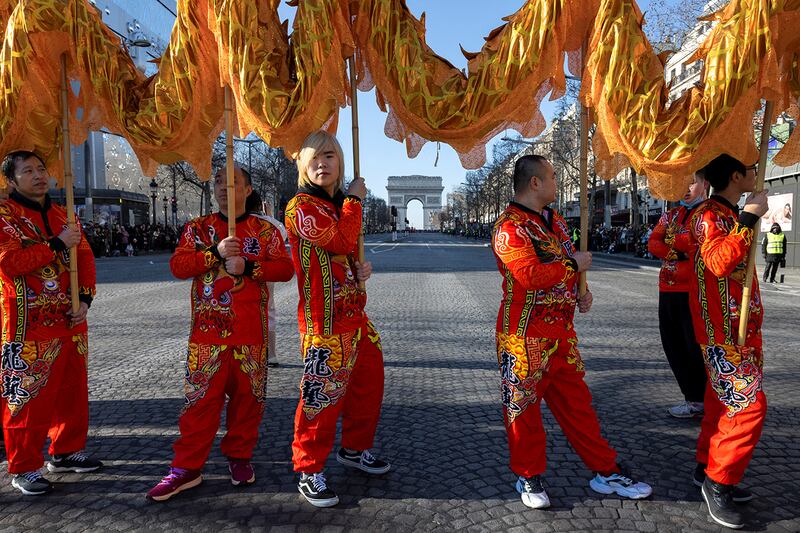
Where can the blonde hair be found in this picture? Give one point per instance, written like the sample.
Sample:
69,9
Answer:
319,141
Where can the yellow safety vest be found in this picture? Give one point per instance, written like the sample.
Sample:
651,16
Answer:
775,243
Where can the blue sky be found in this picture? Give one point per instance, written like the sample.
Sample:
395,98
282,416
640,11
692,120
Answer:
449,23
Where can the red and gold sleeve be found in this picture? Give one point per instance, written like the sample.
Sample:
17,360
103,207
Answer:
275,264
657,244
190,259
720,250
18,258
515,250
314,224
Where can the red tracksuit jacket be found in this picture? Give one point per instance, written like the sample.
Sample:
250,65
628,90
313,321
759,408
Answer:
34,271
723,236
672,242
323,233
540,280
228,309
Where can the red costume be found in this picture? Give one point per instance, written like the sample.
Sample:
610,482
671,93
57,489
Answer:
44,385
227,344
537,348
341,350
672,242
735,405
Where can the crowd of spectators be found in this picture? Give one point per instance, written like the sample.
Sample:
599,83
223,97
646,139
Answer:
621,239
613,240
116,240
471,230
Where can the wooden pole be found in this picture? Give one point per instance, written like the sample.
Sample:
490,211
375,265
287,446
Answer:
584,171
68,183
229,188
356,164
747,291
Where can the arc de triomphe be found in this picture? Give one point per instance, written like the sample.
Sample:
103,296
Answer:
426,189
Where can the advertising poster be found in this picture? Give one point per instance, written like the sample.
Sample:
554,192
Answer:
781,210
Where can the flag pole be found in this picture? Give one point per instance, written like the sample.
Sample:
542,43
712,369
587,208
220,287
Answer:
584,175
229,187
68,182
356,164
747,290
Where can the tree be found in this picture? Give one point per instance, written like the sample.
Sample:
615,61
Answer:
376,214
669,23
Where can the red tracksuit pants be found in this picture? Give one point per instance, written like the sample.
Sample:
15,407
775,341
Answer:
536,369
343,374
45,394
214,373
735,407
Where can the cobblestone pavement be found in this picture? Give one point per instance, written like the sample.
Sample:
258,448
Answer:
434,299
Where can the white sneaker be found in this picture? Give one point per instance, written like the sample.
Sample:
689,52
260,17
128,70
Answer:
687,410
533,494
623,486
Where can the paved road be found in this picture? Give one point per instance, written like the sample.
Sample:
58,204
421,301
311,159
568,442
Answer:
434,298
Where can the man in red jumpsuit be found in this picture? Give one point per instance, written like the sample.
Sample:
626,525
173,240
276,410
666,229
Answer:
44,351
228,341
735,405
537,348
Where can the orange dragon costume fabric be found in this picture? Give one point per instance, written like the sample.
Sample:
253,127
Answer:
227,343
537,348
44,380
735,405
341,350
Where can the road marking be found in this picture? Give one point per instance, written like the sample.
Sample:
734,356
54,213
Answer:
376,251
434,244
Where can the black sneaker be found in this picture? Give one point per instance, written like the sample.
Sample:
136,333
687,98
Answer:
31,483
363,461
740,495
719,499
315,489
73,462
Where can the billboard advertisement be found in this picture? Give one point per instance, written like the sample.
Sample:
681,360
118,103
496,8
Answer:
781,210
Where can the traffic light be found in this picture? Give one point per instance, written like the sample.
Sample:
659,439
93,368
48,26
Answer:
174,205
394,211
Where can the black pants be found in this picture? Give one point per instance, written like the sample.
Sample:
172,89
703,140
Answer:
680,346
771,269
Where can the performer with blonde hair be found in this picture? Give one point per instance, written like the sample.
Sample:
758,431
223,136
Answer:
341,350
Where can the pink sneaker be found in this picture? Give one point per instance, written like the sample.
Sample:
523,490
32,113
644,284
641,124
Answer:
242,472
176,481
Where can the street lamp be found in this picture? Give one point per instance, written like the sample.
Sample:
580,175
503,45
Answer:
154,196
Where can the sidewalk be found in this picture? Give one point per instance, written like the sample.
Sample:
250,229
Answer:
791,274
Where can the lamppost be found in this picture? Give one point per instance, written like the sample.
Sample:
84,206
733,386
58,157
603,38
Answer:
154,196
166,222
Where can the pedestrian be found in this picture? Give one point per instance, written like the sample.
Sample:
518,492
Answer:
45,348
537,347
735,405
226,355
341,349
672,242
773,247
